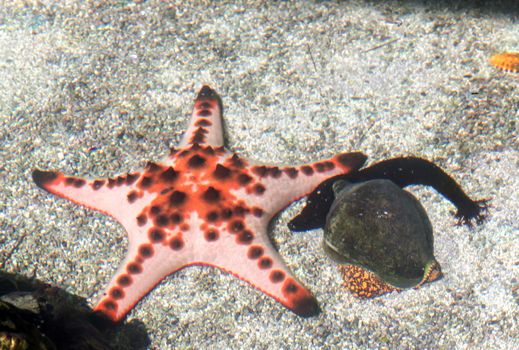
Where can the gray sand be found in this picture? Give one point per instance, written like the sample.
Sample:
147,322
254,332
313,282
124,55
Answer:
95,89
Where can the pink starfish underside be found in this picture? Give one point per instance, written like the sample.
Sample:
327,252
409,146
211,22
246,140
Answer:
201,205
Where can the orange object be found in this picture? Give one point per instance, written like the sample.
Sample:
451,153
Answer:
507,61
365,284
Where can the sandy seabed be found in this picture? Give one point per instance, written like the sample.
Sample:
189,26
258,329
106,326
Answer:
97,88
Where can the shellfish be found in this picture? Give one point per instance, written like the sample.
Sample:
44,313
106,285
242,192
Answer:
372,250
381,237
507,61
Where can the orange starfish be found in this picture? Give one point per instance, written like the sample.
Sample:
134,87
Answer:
202,205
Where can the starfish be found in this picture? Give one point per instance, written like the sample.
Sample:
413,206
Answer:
201,205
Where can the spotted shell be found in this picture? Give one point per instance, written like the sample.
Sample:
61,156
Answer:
507,61
381,237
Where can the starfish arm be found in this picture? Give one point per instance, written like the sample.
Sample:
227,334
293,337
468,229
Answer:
248,254
109,196
143,268
205,126
284,185
243,251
